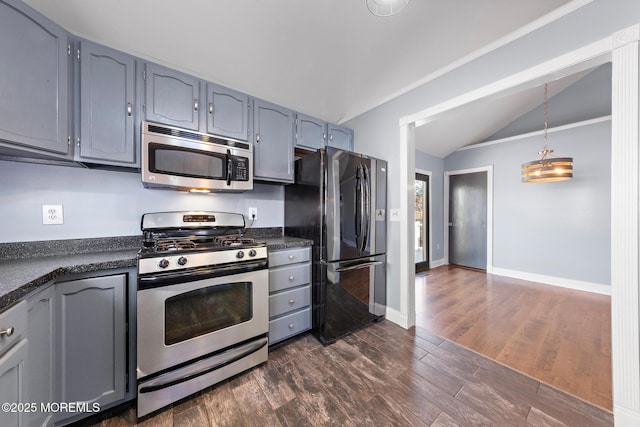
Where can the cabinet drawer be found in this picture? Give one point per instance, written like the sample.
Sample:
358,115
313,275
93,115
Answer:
286,301
289,325
289,256
287,277
16,318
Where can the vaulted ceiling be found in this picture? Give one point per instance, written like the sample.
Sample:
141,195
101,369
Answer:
331,59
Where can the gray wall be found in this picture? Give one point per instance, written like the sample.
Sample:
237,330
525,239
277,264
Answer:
435,165
559,229
377,131
99,203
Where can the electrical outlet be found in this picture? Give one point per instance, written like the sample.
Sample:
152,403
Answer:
253,214
52,214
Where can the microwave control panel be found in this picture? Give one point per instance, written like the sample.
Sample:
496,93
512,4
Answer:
240,169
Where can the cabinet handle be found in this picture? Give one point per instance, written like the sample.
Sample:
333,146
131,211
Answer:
257,137
211,108
78,142
8,332
129,109
290,325
291,301
291,278
324,136
291,257
330,137
195,104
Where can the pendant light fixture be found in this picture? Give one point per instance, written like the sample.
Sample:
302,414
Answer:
386,7
547,169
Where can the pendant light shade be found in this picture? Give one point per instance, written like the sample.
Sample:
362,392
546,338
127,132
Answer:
386,7
547,169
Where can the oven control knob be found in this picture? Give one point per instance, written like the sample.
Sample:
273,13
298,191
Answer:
240,254
164,263
252,252
182,260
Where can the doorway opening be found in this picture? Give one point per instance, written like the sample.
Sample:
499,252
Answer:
422,235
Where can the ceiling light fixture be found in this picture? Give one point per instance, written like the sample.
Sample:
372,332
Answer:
386,7
547,169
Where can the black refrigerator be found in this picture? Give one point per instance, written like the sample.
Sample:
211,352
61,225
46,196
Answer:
339,200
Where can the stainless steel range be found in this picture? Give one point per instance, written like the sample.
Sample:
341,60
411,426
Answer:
202,304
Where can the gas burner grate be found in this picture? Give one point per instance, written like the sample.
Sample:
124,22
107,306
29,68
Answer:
233,240
162,245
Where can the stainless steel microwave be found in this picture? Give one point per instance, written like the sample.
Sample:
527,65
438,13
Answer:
185,160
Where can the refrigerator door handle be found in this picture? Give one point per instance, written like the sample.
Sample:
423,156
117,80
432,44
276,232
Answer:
359,266
366,208
358,208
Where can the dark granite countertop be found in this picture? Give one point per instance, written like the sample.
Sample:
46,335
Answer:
26,266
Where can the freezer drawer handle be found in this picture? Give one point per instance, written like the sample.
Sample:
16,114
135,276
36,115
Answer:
358,266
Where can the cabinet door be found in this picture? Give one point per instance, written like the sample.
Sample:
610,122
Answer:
171,97
13,383
92,340
227,112
311,133
340,137
107,93
40,360
34,105
273,148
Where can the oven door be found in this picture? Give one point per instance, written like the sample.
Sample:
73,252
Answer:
191,319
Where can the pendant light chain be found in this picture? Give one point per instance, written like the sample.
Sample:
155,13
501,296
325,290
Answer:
545,149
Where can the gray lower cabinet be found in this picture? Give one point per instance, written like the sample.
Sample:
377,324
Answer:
92,339
289,293
34,105
340,137
273,142
171,97
13,364
106,106
41,359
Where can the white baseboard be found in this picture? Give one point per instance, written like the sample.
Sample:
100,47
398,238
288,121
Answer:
397,317
625,417
436,263
596,288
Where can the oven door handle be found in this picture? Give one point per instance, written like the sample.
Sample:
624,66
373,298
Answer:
157,280
203,367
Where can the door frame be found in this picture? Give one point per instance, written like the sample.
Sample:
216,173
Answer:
447,174
429,205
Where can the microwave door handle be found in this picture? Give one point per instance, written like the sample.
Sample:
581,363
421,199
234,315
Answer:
229,167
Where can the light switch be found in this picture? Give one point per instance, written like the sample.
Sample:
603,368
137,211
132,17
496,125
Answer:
394,215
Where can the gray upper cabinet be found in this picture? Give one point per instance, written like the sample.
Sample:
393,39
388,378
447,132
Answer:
107,114
340,137
34,105
227,112
92,340
273,142
311,133
171,97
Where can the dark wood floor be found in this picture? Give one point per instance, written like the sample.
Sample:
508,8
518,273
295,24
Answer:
381,375
559,336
